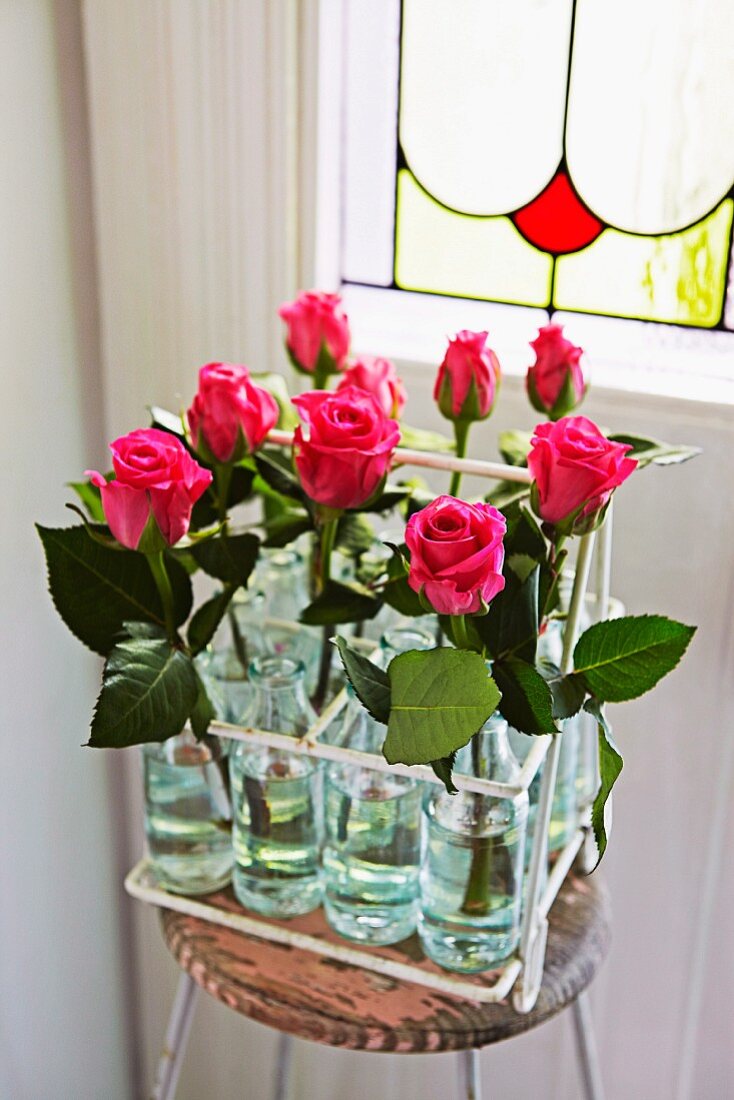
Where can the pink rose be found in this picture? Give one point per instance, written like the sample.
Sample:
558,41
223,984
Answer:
575,469
343,450
378,377
318,332
456,555
230,416
468,378
555,382
156,480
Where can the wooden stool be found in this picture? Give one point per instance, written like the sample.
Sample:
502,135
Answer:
314,997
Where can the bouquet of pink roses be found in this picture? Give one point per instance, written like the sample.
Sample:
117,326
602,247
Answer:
489,569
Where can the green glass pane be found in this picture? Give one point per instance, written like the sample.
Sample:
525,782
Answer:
441,252
679,278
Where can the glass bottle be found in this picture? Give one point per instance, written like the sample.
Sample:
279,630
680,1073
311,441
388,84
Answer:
564,814
401,639
472,874
227,683
276,799
372,828
282,577
188,816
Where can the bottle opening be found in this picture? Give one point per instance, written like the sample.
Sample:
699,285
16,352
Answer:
276,671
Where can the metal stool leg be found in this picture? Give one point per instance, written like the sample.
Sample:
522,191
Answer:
586,1048
470,1085
283,1059
177,1035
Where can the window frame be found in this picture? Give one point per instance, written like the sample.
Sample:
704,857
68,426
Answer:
636,357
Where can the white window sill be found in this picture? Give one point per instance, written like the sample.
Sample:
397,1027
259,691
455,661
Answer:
628,356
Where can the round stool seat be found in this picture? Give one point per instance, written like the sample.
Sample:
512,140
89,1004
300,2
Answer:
326,1000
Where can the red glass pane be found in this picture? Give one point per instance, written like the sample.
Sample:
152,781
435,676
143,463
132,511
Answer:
556,220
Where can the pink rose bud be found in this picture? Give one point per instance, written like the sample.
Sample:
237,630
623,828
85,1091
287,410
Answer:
468,378
555,382
343,450
456,555
575,469
318,332
380,378
230,416
156,485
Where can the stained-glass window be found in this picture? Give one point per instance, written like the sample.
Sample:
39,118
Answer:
573,155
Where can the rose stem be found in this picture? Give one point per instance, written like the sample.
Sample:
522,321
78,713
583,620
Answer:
163,584
460,632
476,898
223,476
321,371
461,434
328,538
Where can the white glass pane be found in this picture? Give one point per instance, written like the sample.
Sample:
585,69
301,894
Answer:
651,114
483,87
370,109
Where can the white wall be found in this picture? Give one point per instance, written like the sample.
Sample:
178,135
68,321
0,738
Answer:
195,253
63,1032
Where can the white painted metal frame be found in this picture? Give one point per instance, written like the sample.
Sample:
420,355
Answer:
522,973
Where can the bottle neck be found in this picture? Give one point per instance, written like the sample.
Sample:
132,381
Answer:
280,703
489,754
362,732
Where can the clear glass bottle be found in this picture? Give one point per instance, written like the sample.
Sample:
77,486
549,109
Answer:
277,799
587,773
241,631
564,814
188,816
227,683
282,577
472,874
373,828
401,639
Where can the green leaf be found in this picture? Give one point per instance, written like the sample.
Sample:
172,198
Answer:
418,439
511,625
341,603
203,711
91,498
206,619
401,597
148,691
167,421
285,527
369,682
96,590
514,447
439,699
610,765
648,451
523,534
444,769
272,468
506,493
228,558
241,486
354,534
568,694
526,702
386,500
522,565
276,386
621,659
144,630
